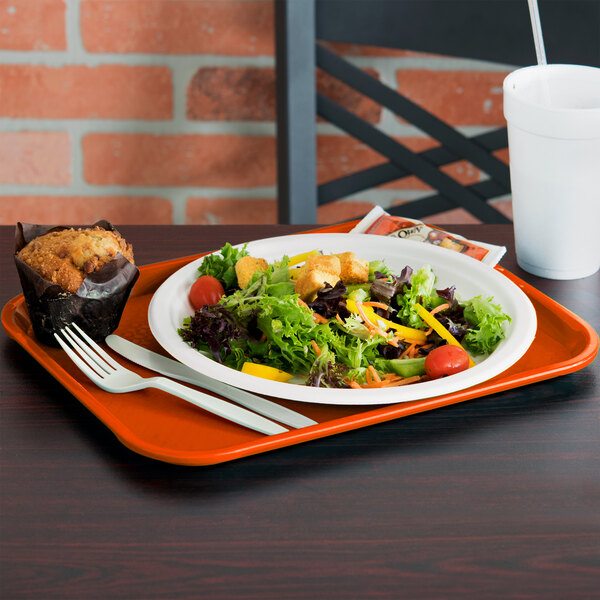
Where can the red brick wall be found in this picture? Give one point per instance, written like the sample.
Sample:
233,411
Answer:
163,111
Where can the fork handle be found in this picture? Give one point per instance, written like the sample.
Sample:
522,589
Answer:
219,407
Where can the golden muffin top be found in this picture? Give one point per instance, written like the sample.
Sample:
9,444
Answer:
66,257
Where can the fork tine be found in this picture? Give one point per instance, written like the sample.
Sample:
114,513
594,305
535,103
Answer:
88,354
81,363
113,363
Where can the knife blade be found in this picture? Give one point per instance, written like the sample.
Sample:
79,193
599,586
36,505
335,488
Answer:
176,370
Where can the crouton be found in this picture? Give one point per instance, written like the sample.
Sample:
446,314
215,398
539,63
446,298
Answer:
246,267
353,270
327,263
312,281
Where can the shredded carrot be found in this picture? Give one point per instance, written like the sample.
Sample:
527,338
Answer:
263,337
392,377
394,381
363,316
394,341
376,305
316,347
337,316
409,341
368,323
436,310
439,308
408,350
368,385
386,383
408,380
375,374
372,378
316,317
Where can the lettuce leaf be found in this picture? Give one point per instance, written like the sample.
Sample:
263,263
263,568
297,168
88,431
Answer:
326,372
275,281
421,290
214,329
487,325
352,342
222,265
288,328
378,266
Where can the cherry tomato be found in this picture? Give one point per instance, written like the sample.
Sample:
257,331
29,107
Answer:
446,360
205,290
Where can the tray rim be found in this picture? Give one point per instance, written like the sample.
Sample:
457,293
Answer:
365,418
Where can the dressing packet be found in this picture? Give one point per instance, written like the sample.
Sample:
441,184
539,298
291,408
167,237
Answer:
380,222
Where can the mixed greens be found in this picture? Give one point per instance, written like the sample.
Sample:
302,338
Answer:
222,265
372,334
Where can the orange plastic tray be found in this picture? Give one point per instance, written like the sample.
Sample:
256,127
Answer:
160,426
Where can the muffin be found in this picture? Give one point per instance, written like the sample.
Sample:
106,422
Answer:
80,275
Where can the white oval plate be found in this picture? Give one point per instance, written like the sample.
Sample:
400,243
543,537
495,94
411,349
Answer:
169,306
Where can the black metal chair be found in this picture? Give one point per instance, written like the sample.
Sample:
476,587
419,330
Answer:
491,30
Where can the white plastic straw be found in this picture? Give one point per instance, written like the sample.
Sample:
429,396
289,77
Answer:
538,38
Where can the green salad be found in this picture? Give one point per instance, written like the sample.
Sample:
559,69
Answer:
383,329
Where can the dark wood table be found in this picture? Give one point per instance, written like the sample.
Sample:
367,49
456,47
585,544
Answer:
497,497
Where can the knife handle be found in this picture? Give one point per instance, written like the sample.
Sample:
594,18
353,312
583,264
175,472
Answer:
219,407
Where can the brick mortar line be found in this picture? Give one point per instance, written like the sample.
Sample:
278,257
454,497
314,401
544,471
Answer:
66,58
186,192
389,121
179,203
140,126
183,126
181,78
166,192
87,189
435,63
61,58
76,139
73,35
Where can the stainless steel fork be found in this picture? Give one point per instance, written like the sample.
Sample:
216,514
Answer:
108,374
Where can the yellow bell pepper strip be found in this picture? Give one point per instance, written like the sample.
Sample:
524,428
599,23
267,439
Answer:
439,328
295,260
265,372
406,333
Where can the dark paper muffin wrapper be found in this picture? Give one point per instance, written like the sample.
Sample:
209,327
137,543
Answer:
97,305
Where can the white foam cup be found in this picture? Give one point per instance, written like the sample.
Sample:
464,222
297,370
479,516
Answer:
553,118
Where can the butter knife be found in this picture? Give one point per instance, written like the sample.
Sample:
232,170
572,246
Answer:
171,368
